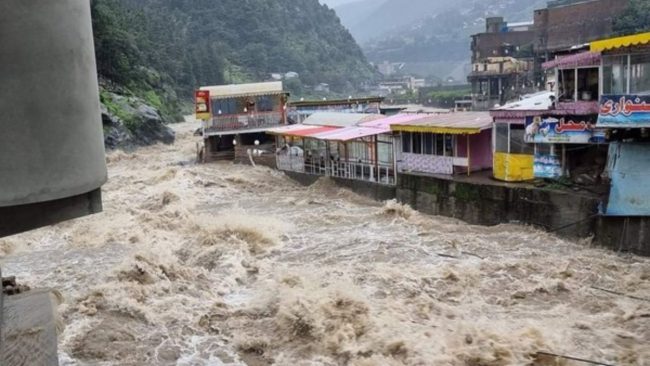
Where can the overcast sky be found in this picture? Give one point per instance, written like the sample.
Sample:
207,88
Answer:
335,3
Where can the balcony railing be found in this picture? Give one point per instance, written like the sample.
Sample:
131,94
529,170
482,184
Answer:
239,122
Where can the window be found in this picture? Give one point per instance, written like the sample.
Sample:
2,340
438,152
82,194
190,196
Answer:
440,145
502,137
417,143
517,144
428,143
265,103
225,106
406,142
615,74
640,74
449,145
567,83
588,84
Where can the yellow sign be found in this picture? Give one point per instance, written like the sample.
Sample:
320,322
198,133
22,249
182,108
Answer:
513,167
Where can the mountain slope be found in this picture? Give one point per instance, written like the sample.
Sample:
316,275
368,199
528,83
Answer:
427,30
197,42
152,54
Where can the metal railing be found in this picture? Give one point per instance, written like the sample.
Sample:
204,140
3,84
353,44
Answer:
368,172
249,121
383,173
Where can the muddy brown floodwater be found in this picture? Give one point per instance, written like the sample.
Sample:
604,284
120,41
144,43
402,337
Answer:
223,264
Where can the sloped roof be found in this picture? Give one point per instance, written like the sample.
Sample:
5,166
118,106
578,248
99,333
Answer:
619,42
452,123
576,60
333,119
244,90
299,130
365,129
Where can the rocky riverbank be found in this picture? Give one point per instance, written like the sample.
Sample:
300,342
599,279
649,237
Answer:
129,121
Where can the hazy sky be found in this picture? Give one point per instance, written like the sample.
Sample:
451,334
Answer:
334,3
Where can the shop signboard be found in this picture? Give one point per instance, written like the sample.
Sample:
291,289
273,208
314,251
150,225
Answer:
547,166
624,111
562,130
202,105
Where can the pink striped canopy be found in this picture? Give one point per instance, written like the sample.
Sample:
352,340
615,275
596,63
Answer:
577,60
371,128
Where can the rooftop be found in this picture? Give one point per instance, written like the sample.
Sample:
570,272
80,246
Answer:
334,119
619,42
244,90
315,103
452,123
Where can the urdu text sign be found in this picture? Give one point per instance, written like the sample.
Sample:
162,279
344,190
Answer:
624,111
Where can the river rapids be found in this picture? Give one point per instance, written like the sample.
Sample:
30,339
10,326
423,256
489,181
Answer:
224,264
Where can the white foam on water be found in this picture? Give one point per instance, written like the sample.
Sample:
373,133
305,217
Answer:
222,264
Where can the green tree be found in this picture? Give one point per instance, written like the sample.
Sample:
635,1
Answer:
635,19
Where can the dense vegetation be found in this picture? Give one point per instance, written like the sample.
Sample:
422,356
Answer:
161,48
635,19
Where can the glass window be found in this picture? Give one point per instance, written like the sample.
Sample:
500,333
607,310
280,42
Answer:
449,145
517,144
502,137
640,74
406,142
429,143
265,103
615,74
588,84
417,143
440,145
567,84
385,153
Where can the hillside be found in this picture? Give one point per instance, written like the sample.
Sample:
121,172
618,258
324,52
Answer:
158,51
436,33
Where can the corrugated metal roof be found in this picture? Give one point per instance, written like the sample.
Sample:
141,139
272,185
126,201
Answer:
392,120
349,133
244,90
299,130
333,119
453,123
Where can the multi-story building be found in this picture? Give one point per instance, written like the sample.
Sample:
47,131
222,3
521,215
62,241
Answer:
502,59
507,59
236,117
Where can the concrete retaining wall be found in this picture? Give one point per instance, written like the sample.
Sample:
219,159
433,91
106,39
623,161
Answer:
485,204
568,214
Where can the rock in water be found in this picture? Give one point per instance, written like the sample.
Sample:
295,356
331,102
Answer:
151,128
115,133
129,122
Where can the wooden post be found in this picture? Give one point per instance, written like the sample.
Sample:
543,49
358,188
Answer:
469,158
377,156
564,167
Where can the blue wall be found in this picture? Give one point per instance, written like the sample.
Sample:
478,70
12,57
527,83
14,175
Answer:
629,165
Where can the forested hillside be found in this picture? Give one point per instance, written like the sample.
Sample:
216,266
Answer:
158,51
195,42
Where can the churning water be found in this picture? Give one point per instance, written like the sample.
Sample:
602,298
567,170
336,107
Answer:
233,265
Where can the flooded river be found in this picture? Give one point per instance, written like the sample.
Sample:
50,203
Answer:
233,265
